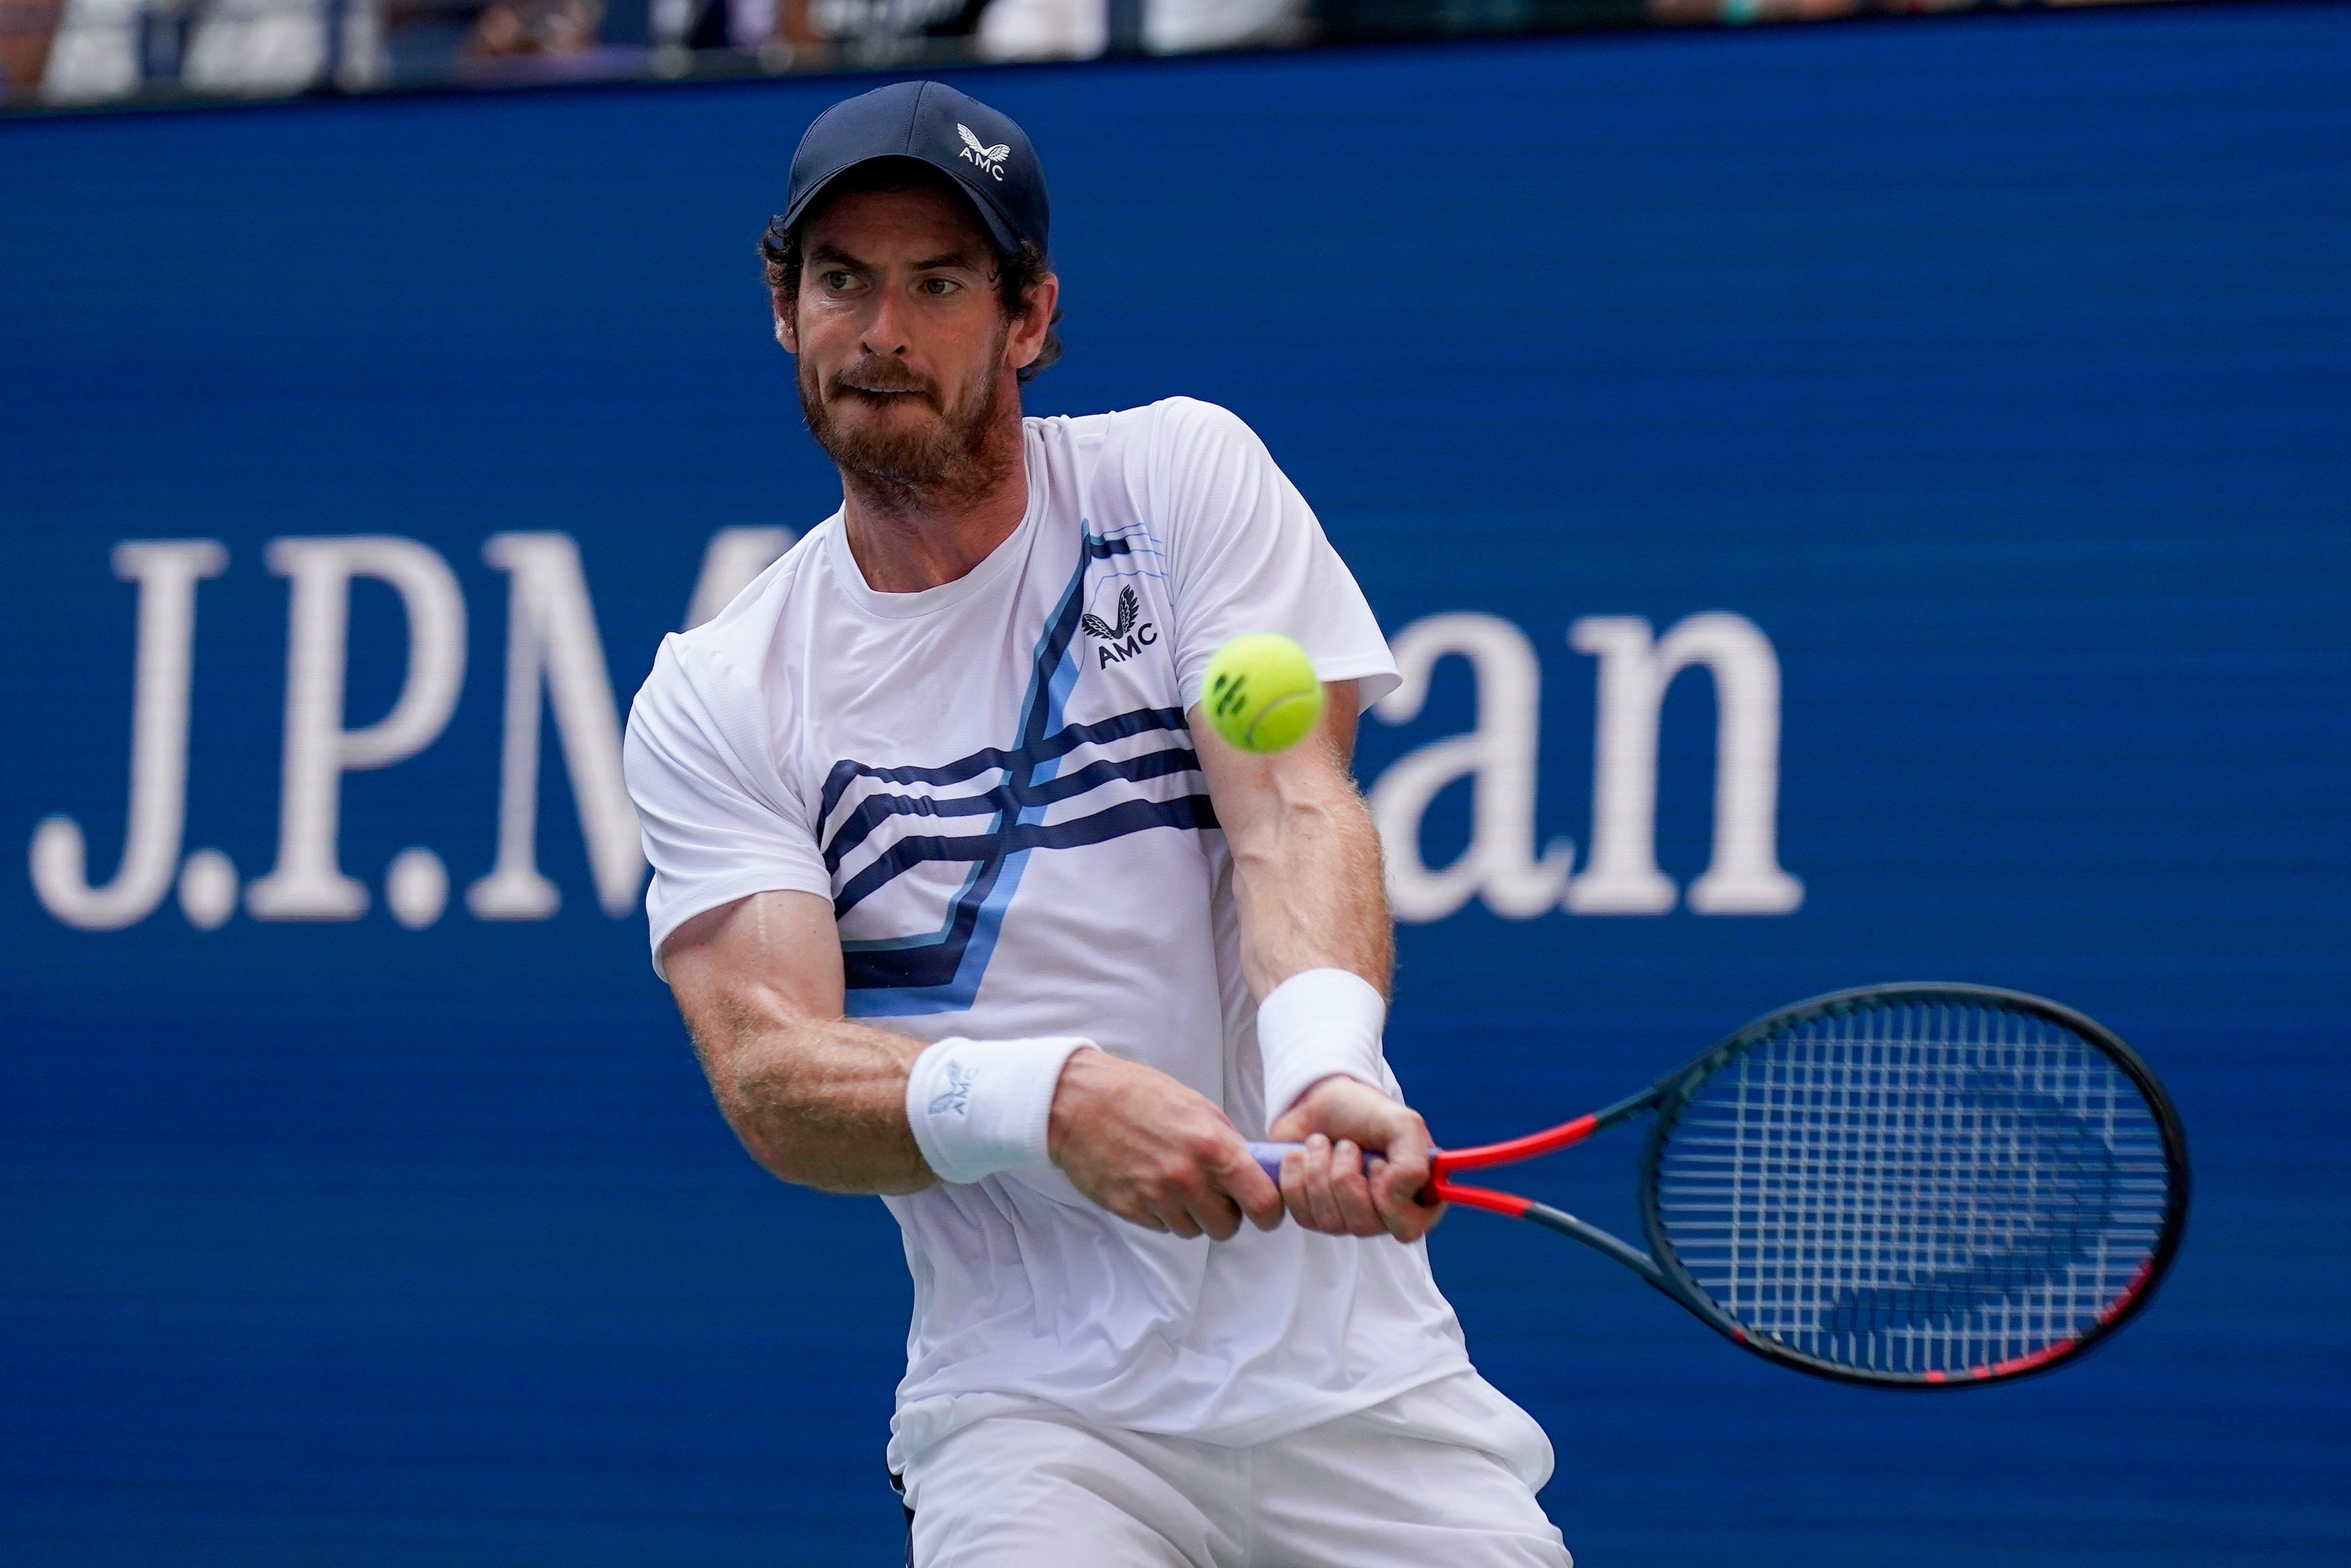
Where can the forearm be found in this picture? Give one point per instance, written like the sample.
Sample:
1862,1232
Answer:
819,1102
815,1098
1311,901
1307,882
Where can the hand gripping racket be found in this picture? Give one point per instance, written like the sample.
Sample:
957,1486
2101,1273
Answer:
1913,1186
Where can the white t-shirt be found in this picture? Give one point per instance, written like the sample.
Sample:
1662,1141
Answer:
994,783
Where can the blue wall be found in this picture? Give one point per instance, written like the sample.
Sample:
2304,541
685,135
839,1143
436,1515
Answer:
1996,370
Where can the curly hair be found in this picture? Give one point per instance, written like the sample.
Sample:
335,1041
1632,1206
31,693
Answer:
1016,272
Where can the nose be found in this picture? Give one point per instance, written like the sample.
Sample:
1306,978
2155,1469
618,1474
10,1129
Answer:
882,337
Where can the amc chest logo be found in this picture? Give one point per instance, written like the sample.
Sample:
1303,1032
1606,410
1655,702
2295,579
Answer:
1117,642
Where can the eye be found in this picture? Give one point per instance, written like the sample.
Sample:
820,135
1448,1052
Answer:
938,287
839,282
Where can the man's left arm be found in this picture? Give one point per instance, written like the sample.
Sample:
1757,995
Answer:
1306,878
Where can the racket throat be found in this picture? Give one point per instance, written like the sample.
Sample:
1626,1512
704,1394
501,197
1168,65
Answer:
1568,1225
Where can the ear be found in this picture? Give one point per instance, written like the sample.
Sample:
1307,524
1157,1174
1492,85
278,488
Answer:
1026,338
785,332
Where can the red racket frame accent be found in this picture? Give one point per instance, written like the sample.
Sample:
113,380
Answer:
1446,1160
2064,1347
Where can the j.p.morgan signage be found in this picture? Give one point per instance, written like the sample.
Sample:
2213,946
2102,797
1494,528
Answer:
555,663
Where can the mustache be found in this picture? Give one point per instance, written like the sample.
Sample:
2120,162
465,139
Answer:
882,375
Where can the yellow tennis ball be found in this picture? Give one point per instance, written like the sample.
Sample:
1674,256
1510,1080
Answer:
1262,693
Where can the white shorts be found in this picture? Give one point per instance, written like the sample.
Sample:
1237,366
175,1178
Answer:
1041,1489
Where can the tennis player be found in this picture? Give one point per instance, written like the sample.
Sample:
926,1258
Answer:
964,906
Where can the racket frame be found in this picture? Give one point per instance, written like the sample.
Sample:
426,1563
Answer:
1662,1265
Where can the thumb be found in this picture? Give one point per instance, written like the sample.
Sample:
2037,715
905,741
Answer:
1294,1123
1247,1184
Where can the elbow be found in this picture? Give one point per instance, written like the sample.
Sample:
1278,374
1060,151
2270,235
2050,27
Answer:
752,1116
807,1162
769,1152
791,1150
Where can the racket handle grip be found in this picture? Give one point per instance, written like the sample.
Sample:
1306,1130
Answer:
1268,1157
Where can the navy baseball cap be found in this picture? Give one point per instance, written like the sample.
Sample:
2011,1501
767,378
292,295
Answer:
981,150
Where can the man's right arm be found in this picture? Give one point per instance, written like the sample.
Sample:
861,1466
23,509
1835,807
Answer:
820,1100
817,1099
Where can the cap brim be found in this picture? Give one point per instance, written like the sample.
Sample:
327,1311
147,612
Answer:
999,230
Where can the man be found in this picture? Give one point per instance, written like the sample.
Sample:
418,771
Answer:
963,908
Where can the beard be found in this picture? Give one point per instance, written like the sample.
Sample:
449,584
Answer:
949,456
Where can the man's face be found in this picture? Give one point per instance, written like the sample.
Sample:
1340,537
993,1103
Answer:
904,349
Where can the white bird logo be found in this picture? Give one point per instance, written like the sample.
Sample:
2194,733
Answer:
987,157
1129,606
958,1096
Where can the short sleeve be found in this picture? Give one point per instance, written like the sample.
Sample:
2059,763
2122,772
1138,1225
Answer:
719,822
1247,555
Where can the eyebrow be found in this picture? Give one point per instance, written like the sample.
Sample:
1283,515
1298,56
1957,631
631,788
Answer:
831,252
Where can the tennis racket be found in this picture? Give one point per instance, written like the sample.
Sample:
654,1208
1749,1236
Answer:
1914,1185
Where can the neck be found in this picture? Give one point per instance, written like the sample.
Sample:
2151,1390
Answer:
907,538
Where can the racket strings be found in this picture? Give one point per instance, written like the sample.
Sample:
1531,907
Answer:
1916,1188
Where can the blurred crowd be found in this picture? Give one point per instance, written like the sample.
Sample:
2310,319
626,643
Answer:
64,52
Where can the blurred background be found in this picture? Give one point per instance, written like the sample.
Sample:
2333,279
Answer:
1976,389
111,51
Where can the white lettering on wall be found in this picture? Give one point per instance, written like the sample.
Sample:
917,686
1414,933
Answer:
551,641
555,660
167,572
1743,876
307,882
732,558
1498,756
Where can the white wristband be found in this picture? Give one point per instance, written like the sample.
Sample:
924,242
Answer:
978,1106
1323,1023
